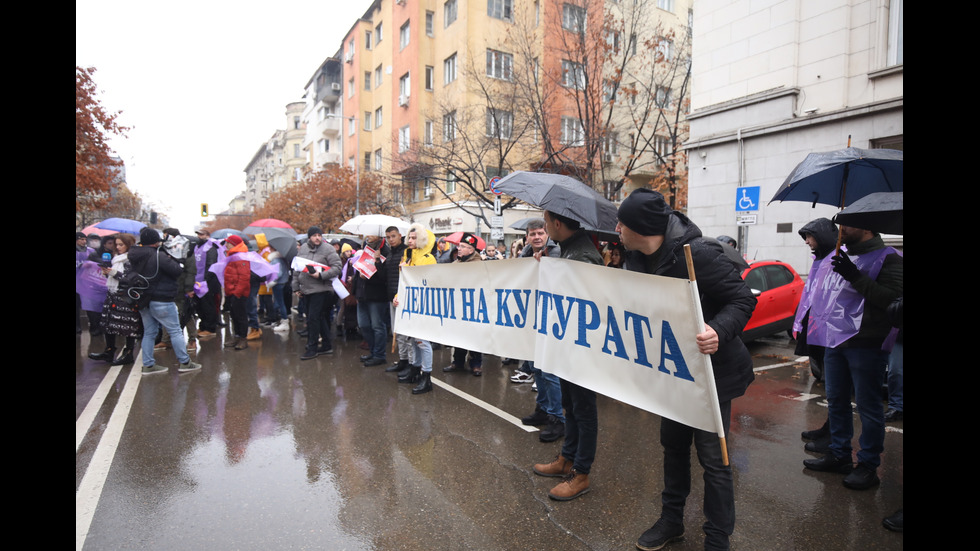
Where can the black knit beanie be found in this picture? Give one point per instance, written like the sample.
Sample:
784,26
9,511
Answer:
645,212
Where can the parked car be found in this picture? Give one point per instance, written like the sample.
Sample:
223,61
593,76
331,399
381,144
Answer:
778,289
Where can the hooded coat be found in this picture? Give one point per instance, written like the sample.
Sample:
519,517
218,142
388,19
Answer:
727,303
425,242
825,233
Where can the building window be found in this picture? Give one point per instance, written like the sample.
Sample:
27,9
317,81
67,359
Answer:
324,146
377,159
573,18
351,163
500,9
377,34
500,124
896,33
612,40
632,44
351,127
296,153
367,121
664,48
663,98
404,89
367,161
449,69
572,132
662,146
449,126
449,13
450,182
297,173
350,87
430,77
429,23
377,118
666,5
350,48
367,80
367,40
404,139
609,91
499,65
572,75
610,146
377,76
427,136
404,35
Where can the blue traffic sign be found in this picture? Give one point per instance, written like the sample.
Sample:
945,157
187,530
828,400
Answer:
747,199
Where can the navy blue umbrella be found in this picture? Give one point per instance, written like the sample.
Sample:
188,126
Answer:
841,177
882,212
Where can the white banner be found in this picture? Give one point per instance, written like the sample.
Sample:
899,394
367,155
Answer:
627,335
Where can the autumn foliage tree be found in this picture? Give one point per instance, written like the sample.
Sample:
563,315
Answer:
95,167
327,199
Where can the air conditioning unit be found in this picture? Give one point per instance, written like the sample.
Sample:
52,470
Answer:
348,57
335,86
607,157
403,100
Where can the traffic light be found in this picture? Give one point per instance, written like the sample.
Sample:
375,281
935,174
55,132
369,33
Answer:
204,210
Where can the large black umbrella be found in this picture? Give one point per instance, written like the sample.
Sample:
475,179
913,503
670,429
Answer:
881,212
841,177
523,222
562,195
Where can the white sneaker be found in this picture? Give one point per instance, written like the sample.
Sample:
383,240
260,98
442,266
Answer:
282,326
534,387
522,377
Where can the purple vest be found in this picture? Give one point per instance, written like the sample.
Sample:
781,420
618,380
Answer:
836,308
200,261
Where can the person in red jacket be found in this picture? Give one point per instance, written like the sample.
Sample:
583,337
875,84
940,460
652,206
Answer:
237,278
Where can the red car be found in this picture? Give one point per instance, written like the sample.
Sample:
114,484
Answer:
778,288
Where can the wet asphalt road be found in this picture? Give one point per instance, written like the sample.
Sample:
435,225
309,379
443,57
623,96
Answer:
259,450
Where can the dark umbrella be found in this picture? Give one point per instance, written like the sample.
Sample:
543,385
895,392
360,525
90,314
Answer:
354,243
841,177
523,222
879,212
225,232
562,195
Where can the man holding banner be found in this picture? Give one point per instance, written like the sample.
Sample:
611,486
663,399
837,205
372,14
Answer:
574,462
655,236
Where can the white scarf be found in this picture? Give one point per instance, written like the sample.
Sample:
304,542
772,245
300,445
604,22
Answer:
118,267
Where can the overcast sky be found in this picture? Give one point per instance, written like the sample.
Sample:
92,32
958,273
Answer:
203,84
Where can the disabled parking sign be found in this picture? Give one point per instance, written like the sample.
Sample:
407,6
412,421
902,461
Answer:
747,199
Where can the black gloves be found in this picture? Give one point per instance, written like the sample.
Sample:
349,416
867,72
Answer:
843,266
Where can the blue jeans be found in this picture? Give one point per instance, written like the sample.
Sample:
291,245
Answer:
719,488
549,391
861,370
581,426
278,304
164,314
422,353
371,316
896,383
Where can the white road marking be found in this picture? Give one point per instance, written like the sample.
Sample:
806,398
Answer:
87,417
799,360
90,488
476,401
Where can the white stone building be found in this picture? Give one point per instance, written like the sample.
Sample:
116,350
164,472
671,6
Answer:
773,81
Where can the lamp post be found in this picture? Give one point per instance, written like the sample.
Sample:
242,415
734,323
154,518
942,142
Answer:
357,167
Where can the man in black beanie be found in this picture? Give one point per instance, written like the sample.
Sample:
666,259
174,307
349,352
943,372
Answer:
654,236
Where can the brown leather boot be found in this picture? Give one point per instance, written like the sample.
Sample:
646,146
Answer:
574,485
559,467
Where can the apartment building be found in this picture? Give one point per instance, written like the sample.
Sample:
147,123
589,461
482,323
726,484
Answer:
279,162
773,82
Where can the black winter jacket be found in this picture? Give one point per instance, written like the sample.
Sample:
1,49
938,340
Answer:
160,269
727,303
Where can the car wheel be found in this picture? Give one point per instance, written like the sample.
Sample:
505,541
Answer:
816,368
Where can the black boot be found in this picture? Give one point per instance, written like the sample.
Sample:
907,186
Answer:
413,375
402,365
425,384
105,356
125,359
